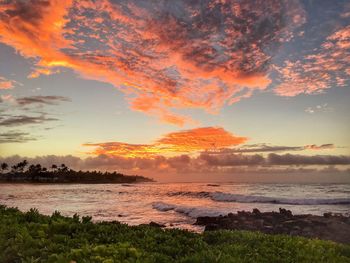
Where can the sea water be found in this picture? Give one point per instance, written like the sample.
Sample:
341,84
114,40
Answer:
177,205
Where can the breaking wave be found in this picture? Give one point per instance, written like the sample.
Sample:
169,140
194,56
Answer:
239,198
190,211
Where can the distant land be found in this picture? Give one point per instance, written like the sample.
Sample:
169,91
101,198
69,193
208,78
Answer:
22,172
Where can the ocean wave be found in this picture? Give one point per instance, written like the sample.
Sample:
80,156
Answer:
239,198
190,211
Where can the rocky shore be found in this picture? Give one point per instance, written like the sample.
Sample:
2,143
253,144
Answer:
335,227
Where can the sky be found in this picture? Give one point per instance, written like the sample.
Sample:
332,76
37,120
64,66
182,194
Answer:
179,90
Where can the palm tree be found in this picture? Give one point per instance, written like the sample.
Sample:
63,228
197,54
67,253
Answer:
54,167
21,166
63,168
4,166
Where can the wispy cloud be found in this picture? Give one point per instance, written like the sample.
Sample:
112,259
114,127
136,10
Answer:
41,100
17,120
262,148
6,84
319,108
15,137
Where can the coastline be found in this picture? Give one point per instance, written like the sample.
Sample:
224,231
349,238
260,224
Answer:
31,235
330,226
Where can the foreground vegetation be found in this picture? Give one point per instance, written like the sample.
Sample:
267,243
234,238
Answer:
32,237
35,173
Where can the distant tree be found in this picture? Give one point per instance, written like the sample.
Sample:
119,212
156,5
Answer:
21,166
34,169
63,168
38,168
54,167
4,167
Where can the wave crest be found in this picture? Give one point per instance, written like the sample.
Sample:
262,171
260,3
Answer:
239,198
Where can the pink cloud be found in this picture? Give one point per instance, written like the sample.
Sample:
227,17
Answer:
328,66
162,55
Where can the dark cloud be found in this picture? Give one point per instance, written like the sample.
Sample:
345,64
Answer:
261,148
207,163
30,11
39,100
232,159
292,159
15,137
24,120
273,159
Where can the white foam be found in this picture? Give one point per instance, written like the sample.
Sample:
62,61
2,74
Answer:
225,197
190,211
239,198
161,206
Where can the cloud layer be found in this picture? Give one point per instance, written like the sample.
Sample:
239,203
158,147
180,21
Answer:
208,167
164,55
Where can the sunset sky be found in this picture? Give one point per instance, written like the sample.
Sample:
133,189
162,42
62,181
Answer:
178,89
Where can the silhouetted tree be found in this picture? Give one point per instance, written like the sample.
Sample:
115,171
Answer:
62,173
54,167
19,167
4,166
63,168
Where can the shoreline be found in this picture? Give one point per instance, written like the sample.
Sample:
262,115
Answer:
25,236
330,226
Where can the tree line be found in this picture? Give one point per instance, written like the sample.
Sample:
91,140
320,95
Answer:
25,172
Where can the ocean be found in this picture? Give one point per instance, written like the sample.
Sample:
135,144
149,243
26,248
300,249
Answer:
177,205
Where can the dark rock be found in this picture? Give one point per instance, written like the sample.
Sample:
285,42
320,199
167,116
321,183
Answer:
212,227
334,227
259,223
327,215
256,211
206,220
285,212
154,224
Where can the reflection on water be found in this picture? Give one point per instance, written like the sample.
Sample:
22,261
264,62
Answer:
176,205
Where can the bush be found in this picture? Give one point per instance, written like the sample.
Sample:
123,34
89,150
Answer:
32,237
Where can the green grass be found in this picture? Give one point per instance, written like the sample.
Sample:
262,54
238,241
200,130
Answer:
32,237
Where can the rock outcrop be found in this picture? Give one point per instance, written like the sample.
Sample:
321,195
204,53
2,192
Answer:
335,227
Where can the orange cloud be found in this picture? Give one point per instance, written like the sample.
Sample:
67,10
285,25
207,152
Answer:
319,147
200,139
162,55
6,84
187,141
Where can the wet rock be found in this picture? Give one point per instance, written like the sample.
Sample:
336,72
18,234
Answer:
212,227
206,220
285,212
330,226
155,224
259,223
256,211
327,215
